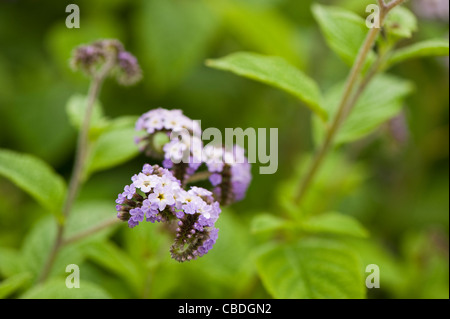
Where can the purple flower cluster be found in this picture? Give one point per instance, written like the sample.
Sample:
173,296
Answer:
184,154
182,151
156,196
230,173
159,194
90,58
167,121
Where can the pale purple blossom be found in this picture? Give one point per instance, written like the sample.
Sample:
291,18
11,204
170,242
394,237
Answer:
232,176
129,191
145,182
162,197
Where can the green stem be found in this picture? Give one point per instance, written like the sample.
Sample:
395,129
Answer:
347,102
78,168
90,231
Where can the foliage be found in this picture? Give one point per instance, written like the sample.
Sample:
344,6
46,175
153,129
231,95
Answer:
380,197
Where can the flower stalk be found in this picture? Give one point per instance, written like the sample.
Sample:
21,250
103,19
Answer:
349,98
97,60
78,168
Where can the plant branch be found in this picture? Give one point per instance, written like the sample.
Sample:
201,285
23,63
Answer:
80,159
90,231
393,4
347,101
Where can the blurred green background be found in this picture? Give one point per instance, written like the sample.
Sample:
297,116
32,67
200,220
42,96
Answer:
400,194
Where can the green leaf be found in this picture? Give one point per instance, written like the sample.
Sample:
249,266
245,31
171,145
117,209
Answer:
267,223
35,177
90,214
173,37
11,262
117,261
276,72
214,275
37,245
344,32
56,289
335,223
111,149
380,101
311,268
122,122
14,283
374,251
76,110
435,47
400,23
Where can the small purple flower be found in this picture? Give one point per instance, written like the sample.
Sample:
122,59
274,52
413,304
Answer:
231,176
145,182
167,163
129,67
132,223
149,209
129,191
179,214
120,199
162,197
147,169
215,179
185,150
190,208
137,214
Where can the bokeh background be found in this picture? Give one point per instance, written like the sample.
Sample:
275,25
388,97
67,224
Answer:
402,193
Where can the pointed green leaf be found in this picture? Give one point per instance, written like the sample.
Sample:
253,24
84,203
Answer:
88,214
276,72
335,223
11,262
311,268
57,289
344,31
14,283
117,261
435,47
267,223
76,110
112,148
35,177
37,245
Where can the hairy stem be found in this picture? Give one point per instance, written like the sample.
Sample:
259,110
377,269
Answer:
78,168
348,100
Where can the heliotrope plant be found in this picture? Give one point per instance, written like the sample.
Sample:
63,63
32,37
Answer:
160,194
167,193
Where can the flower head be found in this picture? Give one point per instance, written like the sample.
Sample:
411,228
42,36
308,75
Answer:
129,71
230,173
156,196
91,58
182,147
